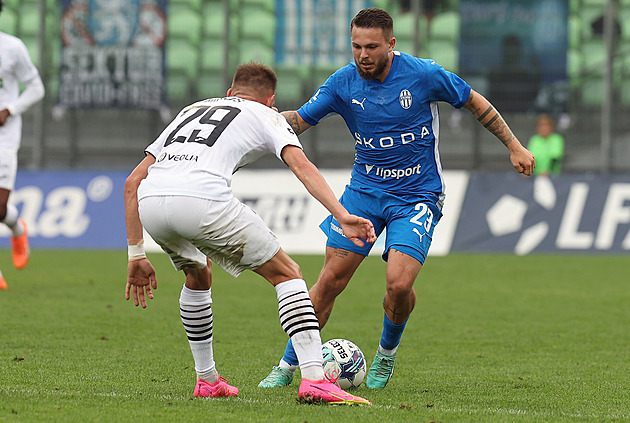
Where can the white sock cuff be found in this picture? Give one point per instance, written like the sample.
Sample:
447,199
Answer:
283,364
293,285
12,216
195,297
209,375
388,352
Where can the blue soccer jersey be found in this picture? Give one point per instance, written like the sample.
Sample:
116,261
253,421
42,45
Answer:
394,124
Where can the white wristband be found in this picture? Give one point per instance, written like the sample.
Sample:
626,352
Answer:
136,252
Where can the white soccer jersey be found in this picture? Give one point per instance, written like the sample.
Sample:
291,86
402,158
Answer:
16,67
208,141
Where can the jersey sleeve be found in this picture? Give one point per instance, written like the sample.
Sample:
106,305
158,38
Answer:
280,134
155,148
25,69
447,86
26,73
322,103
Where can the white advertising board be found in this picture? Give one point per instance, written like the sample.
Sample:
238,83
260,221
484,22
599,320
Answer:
294,216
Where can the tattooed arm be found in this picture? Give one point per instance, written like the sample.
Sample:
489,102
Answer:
522,160
296,122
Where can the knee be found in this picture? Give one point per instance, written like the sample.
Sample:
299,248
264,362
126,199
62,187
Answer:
198,279
333,281
294,270
399,289
287,269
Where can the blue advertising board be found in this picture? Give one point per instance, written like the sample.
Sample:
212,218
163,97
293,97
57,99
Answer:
71,209
509,213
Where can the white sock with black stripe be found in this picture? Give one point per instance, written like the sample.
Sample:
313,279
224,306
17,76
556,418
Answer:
195,309
298,320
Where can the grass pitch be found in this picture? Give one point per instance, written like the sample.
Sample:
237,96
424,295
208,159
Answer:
493,338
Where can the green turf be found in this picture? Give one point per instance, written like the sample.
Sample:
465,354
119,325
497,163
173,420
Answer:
493,338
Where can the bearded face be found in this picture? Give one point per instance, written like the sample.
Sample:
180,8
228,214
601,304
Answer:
371,52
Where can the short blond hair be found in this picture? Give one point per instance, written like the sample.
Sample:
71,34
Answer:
254,79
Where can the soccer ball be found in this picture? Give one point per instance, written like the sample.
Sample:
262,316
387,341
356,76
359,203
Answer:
344,362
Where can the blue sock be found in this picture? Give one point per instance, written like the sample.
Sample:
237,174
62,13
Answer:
391,334
289,354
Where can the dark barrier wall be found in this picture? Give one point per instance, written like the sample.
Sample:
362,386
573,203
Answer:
569,213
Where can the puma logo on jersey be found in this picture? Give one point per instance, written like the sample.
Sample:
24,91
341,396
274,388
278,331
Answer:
418,233
360,103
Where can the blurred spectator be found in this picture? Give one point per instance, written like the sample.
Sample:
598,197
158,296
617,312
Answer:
547,146
597,27
514,84
428,7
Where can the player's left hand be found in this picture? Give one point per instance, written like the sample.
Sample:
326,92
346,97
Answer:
522,160
357,228
140,276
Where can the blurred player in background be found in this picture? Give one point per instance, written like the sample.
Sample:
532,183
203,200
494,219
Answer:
181,193
388,100
15,67
548,147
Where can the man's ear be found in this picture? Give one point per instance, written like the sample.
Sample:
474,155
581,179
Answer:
269,101
229,92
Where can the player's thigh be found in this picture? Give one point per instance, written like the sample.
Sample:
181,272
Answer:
158,214
340,265
235,237
8,169
402,270
410,230
359,204
4,200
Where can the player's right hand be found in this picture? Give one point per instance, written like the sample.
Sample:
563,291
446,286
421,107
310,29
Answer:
4,115
357,229
140,278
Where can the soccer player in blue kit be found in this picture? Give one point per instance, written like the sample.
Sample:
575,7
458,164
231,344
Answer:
388,100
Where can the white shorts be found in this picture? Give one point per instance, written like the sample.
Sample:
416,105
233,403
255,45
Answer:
189,229
8,169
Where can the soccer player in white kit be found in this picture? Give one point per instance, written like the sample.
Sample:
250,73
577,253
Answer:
15,67
181,194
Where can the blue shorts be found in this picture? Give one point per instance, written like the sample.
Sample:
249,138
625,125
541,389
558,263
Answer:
410,222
